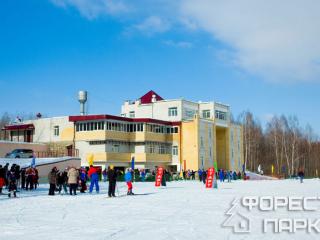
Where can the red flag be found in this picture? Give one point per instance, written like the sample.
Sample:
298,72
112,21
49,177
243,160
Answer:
210,177
159,176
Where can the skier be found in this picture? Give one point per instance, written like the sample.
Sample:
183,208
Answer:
52,178
2,178
12,187
73,176
128,179
94,179
301,175
221,177
112,178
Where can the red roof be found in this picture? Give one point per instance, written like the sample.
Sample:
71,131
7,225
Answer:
125,119
19,127
147,98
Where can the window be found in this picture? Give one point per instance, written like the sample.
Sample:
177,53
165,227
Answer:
221,115
151,148
115,148
56,130
162,149
175,150
132,114
173,111
189,113
206,113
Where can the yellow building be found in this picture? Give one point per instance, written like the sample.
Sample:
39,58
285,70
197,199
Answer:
177,134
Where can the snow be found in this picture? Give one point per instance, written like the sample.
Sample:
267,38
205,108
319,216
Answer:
26,162
182,210
256,176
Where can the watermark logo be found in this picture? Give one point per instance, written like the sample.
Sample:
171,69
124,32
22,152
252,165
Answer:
239,215
238,222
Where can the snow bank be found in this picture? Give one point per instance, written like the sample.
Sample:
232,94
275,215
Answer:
255,176
26,162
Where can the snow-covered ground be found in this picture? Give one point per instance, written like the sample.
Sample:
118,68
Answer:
182,210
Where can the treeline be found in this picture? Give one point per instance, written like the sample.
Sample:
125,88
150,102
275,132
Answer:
282,148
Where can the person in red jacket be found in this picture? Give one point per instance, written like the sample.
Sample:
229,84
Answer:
94,179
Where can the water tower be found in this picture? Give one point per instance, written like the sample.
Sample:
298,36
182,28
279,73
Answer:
82,98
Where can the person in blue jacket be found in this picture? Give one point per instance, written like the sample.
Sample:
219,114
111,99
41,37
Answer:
128,179
221,175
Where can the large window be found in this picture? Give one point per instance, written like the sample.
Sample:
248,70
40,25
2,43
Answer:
173,111
88,126
206,113
221,115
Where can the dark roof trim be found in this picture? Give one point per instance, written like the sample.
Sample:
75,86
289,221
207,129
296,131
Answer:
124,119
19,127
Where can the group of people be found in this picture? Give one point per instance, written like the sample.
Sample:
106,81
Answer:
77,179
14,177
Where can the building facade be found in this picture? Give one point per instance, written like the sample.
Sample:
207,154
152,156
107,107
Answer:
177,134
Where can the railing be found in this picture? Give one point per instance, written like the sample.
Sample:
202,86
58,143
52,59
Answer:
55,154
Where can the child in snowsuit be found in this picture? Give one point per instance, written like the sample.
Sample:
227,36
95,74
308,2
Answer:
128,179
94,179
83,180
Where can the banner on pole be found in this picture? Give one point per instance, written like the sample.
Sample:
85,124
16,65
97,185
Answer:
210,177
159,176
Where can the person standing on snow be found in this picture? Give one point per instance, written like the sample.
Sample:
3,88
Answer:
52,178
62,179
221,175
204,176
2,178
104,175
112,178
301,175
164,180
29,178
94,179
83,180
128,179
73,176
12,187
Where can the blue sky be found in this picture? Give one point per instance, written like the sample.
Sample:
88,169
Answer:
199,50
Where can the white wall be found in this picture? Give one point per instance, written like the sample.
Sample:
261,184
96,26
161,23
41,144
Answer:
44,128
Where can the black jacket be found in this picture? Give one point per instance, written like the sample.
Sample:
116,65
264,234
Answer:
112,175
